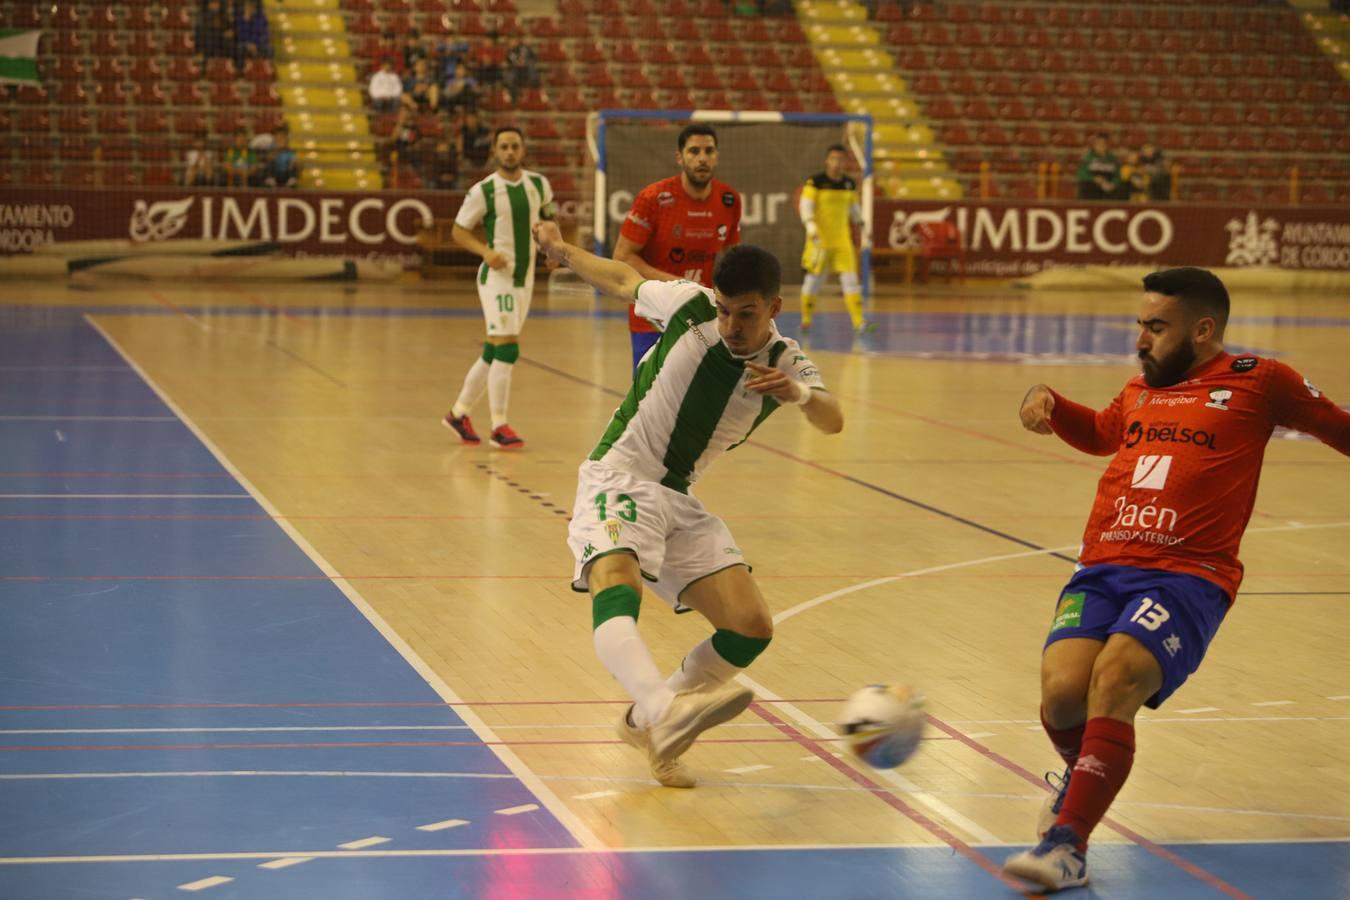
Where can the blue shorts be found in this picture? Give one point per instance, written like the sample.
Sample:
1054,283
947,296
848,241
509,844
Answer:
642,342
1175,616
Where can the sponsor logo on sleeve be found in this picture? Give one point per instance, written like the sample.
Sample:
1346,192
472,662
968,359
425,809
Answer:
728,199
665,198
1312,389
1244,364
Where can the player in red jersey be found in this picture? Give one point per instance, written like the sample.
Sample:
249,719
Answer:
1159,566
678,225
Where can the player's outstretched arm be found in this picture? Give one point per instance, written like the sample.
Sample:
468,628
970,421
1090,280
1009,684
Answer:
821,408
1081,427
608,276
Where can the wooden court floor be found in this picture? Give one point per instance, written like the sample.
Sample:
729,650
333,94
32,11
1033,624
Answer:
925,544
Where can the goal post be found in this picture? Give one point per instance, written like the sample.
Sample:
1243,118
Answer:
766,156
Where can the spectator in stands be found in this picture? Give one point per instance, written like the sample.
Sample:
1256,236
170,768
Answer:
462,89
255,40
453,52
438,167
200,168
1099,172
412,48
475,144
488,58
386,88
388,50
215,35
1133,178
1159,176
421,93
283,169
522,69
240,161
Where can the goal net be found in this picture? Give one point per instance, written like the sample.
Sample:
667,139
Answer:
766,156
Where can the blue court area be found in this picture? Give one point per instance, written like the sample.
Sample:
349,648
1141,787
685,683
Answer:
188,705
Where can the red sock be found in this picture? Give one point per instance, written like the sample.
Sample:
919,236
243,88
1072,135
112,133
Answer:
1102,767
1066,740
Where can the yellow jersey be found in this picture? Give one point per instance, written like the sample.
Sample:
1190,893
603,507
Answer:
831,204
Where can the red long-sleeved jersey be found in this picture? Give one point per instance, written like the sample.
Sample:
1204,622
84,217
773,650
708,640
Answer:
1180,490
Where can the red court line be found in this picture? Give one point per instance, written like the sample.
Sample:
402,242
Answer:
881,793
325,745
1186,866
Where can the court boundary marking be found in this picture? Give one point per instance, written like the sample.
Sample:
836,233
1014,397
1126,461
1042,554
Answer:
579,831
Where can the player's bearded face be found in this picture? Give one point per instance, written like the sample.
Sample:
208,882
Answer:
699,159
1165,370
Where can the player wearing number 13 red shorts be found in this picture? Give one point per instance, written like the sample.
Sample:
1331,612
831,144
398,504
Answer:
1159,566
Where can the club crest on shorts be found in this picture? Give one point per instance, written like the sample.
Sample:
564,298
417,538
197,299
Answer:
612,528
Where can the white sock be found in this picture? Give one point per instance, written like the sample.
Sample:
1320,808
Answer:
474,382
621,649
703,667
499,391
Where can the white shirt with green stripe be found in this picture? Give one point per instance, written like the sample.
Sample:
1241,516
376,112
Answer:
688,404
508,210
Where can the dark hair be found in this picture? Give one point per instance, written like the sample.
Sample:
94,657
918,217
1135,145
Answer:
498,132
836,148
1199,290
747,269
690,130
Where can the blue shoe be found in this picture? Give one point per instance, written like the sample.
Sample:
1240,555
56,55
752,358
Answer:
1055,863
1059,789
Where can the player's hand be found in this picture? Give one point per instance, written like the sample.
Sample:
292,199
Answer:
774,383
496,260
549,238
550,263
1037,406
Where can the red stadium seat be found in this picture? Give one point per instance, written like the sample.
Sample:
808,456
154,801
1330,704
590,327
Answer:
264,95
158,176
189,122
180,44
120,176
151,121
109,69
110,93
149,93
73,121
188,93
226,93
113,121
218,69
72,93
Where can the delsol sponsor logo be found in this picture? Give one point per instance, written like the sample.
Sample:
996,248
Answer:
287,220
1169,433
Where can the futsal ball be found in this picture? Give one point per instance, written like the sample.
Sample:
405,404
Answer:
882,724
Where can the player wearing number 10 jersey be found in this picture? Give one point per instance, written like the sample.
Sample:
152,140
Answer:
678,225
1159,566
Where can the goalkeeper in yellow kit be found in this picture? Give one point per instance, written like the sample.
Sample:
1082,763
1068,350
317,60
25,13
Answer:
829,208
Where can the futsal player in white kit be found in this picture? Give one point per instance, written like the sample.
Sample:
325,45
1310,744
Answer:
719,369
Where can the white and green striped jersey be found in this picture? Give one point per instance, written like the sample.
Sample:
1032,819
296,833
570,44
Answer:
507,209
688,404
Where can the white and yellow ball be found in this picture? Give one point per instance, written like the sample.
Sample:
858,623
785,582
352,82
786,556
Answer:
882,724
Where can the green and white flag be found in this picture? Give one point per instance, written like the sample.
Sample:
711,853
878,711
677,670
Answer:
18,56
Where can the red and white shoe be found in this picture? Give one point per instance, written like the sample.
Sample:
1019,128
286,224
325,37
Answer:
462,427
505,439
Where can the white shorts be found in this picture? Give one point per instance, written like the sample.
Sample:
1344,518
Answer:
505,306
675,539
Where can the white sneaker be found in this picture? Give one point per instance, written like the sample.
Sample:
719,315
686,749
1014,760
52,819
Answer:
669,772
693,712
1055,863
1059,789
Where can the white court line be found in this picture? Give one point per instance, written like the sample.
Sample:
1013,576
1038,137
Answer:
517,810
570,851
442,826
1198,709
88,418
363,843
125,497
742,770
595,795
285,862
578,726
580,832
1274,703
1340,697
205,883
